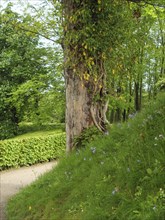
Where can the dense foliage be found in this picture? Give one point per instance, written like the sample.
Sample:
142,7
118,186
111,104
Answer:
114,58
120,176
121,44
30,83
28,151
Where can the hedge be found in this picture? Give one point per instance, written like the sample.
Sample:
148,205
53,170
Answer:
15,153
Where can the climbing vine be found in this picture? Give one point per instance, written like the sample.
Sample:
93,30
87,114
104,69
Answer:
91,30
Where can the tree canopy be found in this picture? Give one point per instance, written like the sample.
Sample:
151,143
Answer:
27,74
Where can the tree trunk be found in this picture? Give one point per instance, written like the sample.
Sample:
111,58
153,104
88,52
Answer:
81,86
78,105
81,111
137,108
15,120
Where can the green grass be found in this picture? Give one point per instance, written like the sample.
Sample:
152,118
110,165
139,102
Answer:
30,130
117,177
38,134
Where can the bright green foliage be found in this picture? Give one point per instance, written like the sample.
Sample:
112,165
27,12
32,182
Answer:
136,63
21,61
161,84
28,151
51,106
120,176
121,47
92,30
28,75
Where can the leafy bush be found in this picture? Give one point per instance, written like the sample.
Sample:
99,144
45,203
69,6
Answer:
7,128
14,153
161,84
86,137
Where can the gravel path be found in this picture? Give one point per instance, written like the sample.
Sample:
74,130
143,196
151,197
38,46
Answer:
11,181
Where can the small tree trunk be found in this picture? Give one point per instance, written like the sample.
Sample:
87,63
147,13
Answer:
137,107
14,119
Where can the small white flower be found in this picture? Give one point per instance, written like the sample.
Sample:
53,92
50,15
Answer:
128,169
113,192
93,149
154,208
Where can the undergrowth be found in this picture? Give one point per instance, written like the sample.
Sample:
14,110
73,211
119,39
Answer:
116,177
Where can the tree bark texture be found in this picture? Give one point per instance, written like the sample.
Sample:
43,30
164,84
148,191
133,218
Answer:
81,109
78,104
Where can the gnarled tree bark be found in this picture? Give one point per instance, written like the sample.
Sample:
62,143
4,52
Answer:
81,109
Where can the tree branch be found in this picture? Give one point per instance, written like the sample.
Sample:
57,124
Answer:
147,3
94,119
36,32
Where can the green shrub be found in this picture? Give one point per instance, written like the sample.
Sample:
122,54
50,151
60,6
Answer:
14,153
7,128
86,137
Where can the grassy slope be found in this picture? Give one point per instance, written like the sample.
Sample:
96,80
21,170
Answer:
118,177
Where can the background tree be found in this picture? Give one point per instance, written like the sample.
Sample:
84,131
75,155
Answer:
26,72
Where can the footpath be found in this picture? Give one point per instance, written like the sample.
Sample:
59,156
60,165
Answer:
11,181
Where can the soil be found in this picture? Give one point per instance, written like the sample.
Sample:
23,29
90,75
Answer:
11,181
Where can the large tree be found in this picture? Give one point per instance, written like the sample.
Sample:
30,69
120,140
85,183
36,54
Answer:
94,33
91,30
24,71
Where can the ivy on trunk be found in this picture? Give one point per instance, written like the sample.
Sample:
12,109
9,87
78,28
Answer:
85,75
